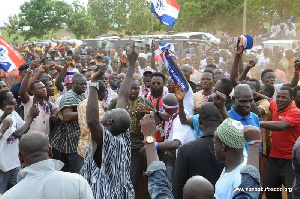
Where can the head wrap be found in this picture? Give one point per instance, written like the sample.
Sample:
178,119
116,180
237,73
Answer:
69,79
111,74
231,133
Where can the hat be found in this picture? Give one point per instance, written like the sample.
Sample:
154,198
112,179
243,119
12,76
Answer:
142,55
62,48
231,133
246,41
72,71
23,67
68,79
106,58
147,70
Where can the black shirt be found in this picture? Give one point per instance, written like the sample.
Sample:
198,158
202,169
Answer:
195,158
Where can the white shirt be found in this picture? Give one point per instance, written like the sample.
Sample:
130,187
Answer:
224,188
44,180
262,63
42,122
183,133
9,149
188,101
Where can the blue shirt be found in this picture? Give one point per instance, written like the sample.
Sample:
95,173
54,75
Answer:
251,119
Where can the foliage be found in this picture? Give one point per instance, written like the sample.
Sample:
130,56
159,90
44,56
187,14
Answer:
79,21
12,25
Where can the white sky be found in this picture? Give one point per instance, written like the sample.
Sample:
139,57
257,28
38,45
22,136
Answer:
11,7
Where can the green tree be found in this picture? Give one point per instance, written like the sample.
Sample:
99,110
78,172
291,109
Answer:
12,25
41,16
79,21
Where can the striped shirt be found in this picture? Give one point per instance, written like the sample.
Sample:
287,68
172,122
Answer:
65,139
112,181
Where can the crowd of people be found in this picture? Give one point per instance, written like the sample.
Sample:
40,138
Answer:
79,122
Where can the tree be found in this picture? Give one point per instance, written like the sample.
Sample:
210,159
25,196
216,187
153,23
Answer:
79,21
41,16
12,25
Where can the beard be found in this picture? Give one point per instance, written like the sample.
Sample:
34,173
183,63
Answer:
157,92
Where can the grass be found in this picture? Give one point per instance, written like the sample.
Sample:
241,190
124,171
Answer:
20,38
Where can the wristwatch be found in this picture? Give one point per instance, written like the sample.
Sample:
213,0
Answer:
254,142
149,139
94,84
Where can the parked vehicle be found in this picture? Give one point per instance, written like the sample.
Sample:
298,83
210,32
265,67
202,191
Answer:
197,35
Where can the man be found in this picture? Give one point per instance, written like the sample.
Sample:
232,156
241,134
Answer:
48,110
176,134
197,157
187,71
220,64
225,86
12,128
107,162
296,167
219,74
135,102
285,131
207,83
297,96
264,60
145,88
113,81
66,141
41,171
85,134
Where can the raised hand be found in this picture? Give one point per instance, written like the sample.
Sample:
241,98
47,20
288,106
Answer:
148,124
179,93
133,55
143,108
219,100
101,70
34,111
251,63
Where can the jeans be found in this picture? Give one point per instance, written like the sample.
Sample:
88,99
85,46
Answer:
8,179
158,184
73,162
170,164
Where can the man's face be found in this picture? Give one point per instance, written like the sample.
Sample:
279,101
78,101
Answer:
283,99
2,85
171,87
243,102
50,88
88,75
209,60
79,86
268,78
83,61
297,99
120,79
40,90
218,73
207,80
187,72
10,99
141,61
113,80
104,79
135,90
220,156
157,85
147,79
216,57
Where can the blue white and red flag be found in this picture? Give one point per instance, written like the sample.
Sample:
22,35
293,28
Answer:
166,11
10,58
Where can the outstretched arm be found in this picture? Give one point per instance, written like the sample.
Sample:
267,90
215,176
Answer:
182,116
250,65
60,77
24,86
235,66
123,94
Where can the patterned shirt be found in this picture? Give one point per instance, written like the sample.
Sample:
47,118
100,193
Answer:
66,139
113,179
85,134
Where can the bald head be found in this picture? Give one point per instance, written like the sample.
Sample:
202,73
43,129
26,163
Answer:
241,89
198,186
186,67
170,99
34,147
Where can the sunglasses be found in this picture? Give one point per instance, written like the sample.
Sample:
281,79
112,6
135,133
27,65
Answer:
153,83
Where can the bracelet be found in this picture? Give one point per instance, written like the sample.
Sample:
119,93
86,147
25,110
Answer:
254,142
156,145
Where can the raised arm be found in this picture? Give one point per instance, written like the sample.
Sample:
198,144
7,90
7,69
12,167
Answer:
250,65
219,102
179,93
235,66
24,86
275,125
92,109
60,77
123,94
295,79
153,66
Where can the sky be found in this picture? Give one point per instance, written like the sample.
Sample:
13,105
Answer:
11,7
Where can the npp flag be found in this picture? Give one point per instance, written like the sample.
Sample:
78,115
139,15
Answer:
165,52
9,57
166,11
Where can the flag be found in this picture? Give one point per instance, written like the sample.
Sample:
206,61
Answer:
10,58
164,52
166,11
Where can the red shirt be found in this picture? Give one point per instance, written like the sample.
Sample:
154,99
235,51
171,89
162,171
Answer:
283,141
